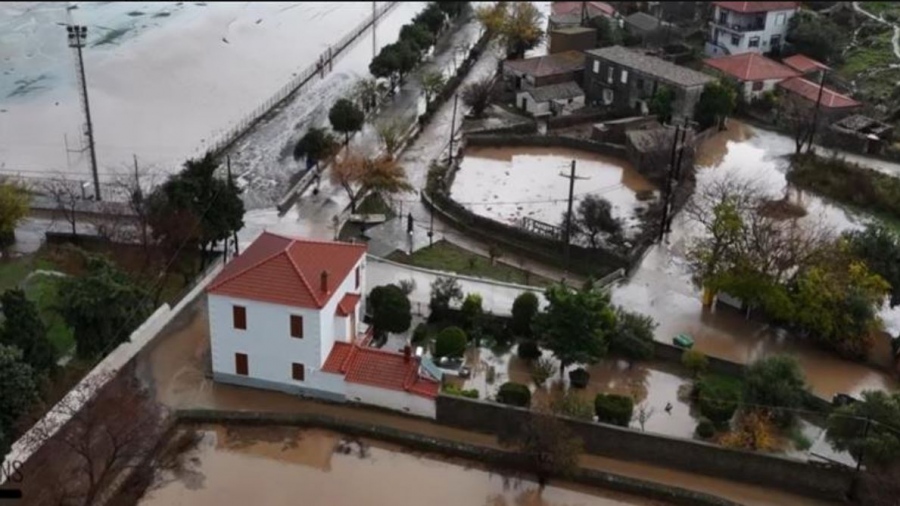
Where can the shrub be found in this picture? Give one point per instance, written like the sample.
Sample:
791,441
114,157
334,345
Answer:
705,429
572,405
451,389
514,394
633,335
542,370
472,311
451,342
718,398
776,381
391,310
614,409
579,378
528,350
694,361
420,334
523,310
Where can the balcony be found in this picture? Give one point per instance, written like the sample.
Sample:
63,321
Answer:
739,28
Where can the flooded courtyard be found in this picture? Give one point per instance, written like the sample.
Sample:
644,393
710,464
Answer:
282,465
510,184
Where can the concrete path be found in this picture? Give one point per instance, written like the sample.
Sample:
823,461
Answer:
895,40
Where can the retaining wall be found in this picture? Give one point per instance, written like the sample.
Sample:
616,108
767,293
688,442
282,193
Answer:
814,480
482,455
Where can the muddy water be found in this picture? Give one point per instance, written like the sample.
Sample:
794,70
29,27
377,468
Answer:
282,466
509,184
661,286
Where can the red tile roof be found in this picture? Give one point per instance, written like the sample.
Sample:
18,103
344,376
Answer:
751,67
594,8
548,65
803,63
749,7
346,305
810,91
285,270
379,368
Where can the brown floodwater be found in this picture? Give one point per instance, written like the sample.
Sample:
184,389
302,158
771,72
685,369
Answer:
278,465
509,184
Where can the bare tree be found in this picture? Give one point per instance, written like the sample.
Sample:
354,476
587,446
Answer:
479,95
390,133
799,117
113,426
547,445
136,188
643,415
67,196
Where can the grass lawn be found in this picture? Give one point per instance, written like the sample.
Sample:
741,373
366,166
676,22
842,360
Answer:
449,257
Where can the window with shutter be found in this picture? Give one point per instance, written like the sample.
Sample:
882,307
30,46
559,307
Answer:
297,326
239,317
297,372
240,364
357,277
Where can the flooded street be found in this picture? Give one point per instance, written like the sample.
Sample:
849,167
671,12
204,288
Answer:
509,184
272,465
661,286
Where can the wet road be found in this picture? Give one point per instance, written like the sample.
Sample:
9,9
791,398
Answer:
276,465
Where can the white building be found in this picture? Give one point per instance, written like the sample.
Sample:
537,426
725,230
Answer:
749,27
551,100
286,315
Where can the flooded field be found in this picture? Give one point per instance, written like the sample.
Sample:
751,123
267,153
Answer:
272,465
509,184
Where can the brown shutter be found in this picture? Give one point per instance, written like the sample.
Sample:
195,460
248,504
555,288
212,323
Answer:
357,277
240,364
297,372
297,326
239,315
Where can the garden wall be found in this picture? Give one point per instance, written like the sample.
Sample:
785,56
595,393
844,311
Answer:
810,479
483,455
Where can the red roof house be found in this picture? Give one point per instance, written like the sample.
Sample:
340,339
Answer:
593,8
756,7
804,64
754,72
809,91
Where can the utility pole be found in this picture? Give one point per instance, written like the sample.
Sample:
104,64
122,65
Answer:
568,232
231,185
77,37
374,42
815,121
865,435
453,126
431,229
667,195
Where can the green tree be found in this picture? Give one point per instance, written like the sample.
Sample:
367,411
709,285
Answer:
407,59
576,325
661,104
491,17
816,36
472,312
346,118
879,247
450,342
18,389
776,382
432,18
452,9
432,84
316,145
522,28
444,291
196,206
716,102
524,309
13,207
866,428
594,216
633,335
102,306
386,64
418,36
24,329
390,310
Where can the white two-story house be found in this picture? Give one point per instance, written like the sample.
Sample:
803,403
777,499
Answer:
749,27
286,315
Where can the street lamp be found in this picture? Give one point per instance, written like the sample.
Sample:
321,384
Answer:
77,36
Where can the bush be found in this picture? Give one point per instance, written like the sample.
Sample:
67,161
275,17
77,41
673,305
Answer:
523,310
633,335
570,404
694,361
529,350
579,378
776,381
472,311
718,398
542,370
705,429
514,394
614,409
420,334
451,342
471,393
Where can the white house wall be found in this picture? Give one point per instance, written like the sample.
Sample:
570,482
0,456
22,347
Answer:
328,382
768,85
391,399
329,330
771,27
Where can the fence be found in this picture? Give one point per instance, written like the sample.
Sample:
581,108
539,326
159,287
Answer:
326,59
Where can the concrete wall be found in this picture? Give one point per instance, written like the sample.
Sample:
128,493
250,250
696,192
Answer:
825,482
391,399
776,23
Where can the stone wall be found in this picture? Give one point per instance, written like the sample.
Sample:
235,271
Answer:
813,480
491,457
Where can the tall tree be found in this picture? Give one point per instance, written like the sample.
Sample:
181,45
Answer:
777,384
797,114
102,306
358,174
816,36
18,389
444,291
522,28
716,103
452,9
367,90
432,84
576,325
866,428
390,310
633,335
432,18
13,207
492,17
524,309
594,216
316,145
479,95
24,329
390,133
418,36
547,445
879,247
386,64
407,58
346,118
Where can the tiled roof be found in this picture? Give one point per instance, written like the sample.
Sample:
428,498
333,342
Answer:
594,8
540,66
651,65
285,270
560,91
347,303
748,7
379,368
642,21
810,91
751,67
803,63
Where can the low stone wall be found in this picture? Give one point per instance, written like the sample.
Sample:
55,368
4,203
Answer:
796,476
588,115
550,141
486,456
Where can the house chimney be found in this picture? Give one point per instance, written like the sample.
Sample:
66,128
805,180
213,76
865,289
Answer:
407,353
324,284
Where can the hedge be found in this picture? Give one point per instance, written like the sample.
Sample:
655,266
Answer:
614,409
514,394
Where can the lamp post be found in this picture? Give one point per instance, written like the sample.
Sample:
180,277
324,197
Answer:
77,36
